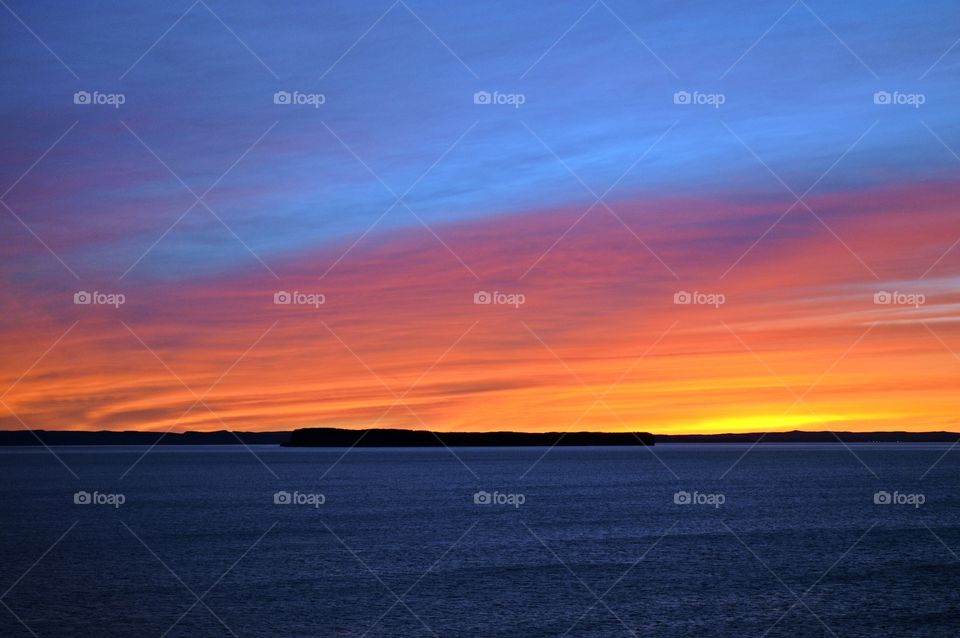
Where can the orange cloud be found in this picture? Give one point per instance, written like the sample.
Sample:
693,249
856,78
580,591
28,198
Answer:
598,342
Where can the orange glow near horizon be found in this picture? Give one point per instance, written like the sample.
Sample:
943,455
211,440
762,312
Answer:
598,344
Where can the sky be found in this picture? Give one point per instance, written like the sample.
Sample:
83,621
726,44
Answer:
676,217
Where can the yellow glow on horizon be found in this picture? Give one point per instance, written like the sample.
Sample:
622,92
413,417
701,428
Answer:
771,423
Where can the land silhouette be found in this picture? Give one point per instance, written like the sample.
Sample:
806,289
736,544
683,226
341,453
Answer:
384,437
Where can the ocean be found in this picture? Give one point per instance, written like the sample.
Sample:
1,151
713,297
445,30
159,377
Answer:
674,540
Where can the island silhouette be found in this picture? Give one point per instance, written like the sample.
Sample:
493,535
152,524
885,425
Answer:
385,437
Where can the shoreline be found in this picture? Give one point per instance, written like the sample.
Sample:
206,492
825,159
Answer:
339,437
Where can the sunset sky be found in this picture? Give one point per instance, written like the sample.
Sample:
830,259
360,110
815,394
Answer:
792,171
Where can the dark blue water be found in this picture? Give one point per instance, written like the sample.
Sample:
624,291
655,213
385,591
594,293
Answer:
585,542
